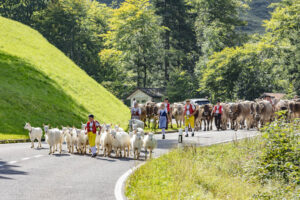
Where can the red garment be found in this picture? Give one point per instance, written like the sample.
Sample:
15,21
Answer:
168,107
220,109
136,113
94,127
190,109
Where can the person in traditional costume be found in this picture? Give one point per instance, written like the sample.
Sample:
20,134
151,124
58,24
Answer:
163,118
189,118
136,111
91,130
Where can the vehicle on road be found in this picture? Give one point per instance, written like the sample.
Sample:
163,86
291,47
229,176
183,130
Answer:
200,101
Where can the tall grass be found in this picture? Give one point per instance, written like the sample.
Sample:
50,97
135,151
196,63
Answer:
215,172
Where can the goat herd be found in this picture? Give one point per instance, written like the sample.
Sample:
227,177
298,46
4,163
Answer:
107,139
252,114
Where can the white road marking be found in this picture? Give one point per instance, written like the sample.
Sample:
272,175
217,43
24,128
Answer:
121,181
26,158
12,162
37,156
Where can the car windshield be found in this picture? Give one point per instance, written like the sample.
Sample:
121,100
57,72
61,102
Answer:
202,102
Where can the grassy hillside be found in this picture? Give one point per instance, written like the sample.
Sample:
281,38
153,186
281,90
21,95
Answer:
39,84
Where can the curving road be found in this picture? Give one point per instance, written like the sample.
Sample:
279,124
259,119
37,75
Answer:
27,173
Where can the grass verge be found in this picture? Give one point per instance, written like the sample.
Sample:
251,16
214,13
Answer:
214,172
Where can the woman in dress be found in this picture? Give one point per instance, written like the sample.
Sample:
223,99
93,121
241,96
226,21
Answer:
163,117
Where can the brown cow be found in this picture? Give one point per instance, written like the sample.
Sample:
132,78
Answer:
263,113
225,116
281,105
143,113
294,110
151,111
205,115
241,112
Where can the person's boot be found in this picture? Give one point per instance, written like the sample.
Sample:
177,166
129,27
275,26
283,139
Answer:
193,134
163,137
186,135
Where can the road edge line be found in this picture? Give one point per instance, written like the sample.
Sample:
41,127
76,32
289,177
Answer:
119,187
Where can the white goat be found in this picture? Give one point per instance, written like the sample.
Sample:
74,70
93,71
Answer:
54,137
116,143
124,139
106,142
34,133
118,128
136,145
149,143
82,140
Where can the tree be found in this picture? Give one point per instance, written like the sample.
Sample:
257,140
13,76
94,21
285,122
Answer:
283,32
135,35
240,72
21,10
75,26
180,85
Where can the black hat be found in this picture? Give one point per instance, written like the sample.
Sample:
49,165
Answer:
219,101
92,116
166,98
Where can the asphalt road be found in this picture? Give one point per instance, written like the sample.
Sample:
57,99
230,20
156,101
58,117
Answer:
27,173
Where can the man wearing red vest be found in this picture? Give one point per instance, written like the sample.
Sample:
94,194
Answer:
218,110
167,107
91,129
189,118
136,112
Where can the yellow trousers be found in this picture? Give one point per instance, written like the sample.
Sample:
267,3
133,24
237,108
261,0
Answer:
190,120
92,139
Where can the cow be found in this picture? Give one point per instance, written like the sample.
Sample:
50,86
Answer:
294,110
205,115
281,105
241,112
262,113
151,111
143,116
225,116
177,113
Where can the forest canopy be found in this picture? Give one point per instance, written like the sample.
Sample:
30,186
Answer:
197,47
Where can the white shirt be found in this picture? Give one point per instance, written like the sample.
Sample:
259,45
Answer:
188,109
217,111
134,110
91,125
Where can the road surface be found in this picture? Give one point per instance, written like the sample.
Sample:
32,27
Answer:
32,174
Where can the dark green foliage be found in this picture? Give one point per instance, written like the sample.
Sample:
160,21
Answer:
281,154
75,27
179,86
21,10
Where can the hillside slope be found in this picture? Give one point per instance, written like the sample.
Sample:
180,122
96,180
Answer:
39,84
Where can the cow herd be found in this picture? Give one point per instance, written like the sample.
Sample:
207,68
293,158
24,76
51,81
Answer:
235,115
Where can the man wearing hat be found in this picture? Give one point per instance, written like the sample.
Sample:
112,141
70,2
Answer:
91,129
218,110
188,117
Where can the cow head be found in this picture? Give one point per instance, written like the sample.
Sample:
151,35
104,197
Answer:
260,108
234,110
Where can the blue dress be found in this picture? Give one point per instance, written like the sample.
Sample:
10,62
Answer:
162,119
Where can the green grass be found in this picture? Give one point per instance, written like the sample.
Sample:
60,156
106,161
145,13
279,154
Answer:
175,128
215,172
39,84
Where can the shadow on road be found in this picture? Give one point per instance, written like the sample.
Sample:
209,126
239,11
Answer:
8,169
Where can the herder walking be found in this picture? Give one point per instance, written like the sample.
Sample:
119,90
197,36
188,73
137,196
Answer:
163,118
91,129
218,110
189,118
136,112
